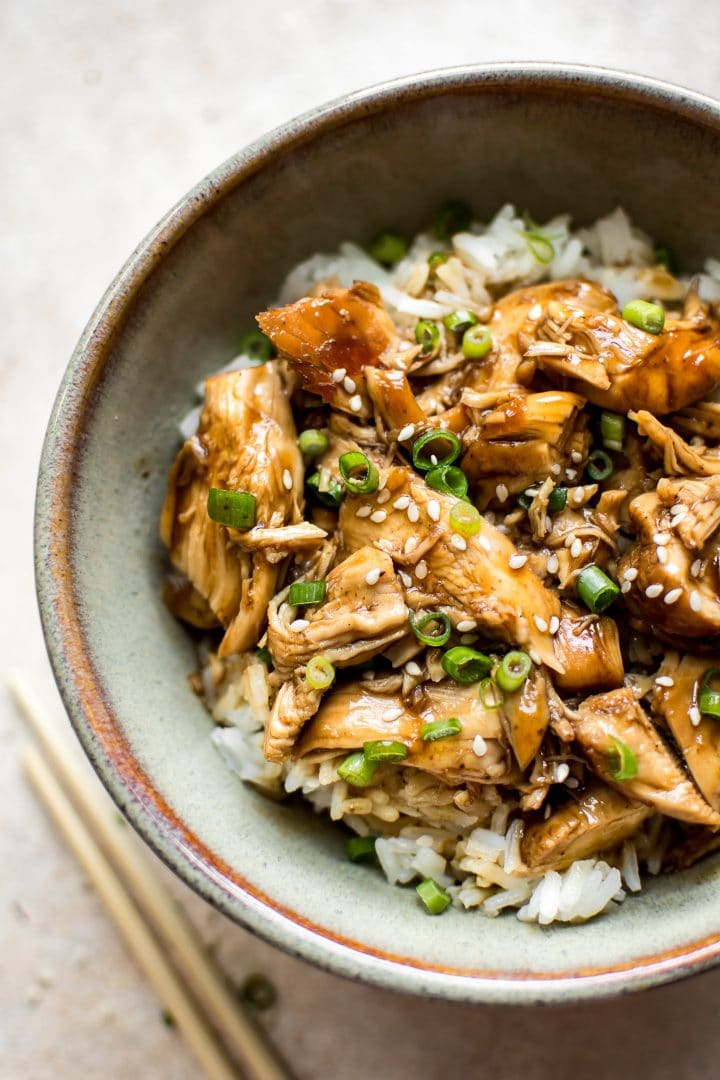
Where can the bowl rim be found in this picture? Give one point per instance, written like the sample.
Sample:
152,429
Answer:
85,699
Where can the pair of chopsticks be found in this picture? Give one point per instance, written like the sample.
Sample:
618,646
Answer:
152,925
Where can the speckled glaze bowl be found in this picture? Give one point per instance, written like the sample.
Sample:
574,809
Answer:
549,138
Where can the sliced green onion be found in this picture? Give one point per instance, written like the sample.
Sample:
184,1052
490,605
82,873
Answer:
354,463
465,519
385,750
258,992
437,258
333,494
387,247
233,508
433,896
440,729
264,656
557,500
312,442
491,696
540,246
513,671
664,257
465,665
360,848
612,430
319,673
477,342
455,216
460,321
357,770
709,699
427,335
646,316
599,465
596,590
424,457
256,345
449,479
306,592
418,625
622,761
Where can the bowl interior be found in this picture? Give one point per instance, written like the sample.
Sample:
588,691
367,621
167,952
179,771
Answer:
549,143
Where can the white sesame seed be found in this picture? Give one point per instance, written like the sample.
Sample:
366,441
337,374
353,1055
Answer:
413,513
433,459
677,518
355,403
502,493
383,482
678,508
466,625
554,625
373,576
535,312
662,555
576,547
349,385
299,624
413,669
433,509
664,680
468,639
410,544
517,561
479,746
485,544
578,495
378,515
630,574
392,713
458,542
653,590
556,469
547,811
405,579
576,456
694,714
695,600
402,503
553,564
534,656
540,623
386,545
287,480
626,587
562,772
571,473
421,570
696,568
572,782
383,497
339,375
570,540
672,596
406,432
363,511
661,538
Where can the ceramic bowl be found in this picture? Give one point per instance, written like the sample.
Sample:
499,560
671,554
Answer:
548,138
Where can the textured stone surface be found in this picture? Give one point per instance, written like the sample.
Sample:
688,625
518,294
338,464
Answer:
109,113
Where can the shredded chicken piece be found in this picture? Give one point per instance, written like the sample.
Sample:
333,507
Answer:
675,701
678,456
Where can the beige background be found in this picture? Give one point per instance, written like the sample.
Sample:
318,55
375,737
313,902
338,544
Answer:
110,111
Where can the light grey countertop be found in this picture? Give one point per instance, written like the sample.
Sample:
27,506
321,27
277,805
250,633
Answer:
110,112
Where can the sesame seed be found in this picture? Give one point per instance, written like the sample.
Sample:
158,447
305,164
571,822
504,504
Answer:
570,540
433,509
299,624
468,639
556,469
696,568
378,515
630,574
572,782
392,713
553,564
661,538
383,497
363,511
540,623
355,403
517,561
465,625
554,625
535,312
578,495
571,473
383,482
386,545
373,576
458,542
562,772
410,544
677,518
626,587
339,375
413,514
287,480
576,456
421,570
433,459
405,579
672,596
662,555
534,656
547,811
405,432
695,600
349,384
664,680
653,590
402,503
576,547
678,508
479,746
694,714
413,669
502,493
485,544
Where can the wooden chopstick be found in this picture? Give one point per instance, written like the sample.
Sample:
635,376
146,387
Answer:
172,928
